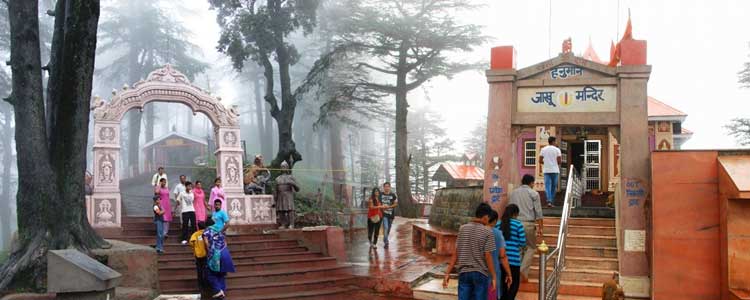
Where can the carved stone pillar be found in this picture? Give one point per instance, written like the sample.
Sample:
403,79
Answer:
105,208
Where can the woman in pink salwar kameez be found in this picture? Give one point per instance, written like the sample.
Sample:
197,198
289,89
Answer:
163,192
200,202
217,192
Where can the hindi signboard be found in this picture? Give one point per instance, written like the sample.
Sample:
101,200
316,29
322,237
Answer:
568,99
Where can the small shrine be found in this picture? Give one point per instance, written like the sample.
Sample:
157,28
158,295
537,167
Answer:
175,149
465,174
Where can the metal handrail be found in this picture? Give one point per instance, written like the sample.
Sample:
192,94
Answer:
549,285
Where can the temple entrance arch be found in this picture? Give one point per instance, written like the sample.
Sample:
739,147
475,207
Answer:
162,85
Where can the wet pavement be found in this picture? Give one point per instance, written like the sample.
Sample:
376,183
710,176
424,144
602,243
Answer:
392,270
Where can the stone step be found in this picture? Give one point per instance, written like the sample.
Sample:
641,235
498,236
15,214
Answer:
553,230
584,240
187,253
568,288
591,251
432,289
579,275
186,281
188,261
239,245
265,265
582,221
143,234
580,262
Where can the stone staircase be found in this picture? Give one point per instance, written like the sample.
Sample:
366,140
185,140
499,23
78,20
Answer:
268,267
591,256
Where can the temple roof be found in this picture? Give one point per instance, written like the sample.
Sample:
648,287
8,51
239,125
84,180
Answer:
175,135
657,108
458,172
591,55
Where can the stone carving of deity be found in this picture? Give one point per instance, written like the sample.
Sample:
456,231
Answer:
105,216
107,169
107,134
233,171
235,209
230,138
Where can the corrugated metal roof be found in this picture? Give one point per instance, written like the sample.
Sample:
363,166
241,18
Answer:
459,171
175,134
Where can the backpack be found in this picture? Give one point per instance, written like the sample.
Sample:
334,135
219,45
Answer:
197,244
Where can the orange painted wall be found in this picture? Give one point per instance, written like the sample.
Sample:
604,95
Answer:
685,261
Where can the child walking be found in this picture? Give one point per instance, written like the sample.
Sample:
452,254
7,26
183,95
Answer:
159,221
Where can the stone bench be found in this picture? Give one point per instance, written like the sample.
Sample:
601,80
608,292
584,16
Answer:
439,240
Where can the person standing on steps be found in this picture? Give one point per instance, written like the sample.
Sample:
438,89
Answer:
220,217
374,217
218,259
186,203
515,240
217,192
473,257
551,158
389,201
200,204
199,251
530,214
286,186
499,260
158,176
159,222
162,192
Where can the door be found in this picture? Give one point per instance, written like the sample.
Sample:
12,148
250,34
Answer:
592,164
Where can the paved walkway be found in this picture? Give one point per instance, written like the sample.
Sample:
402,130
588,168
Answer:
392,270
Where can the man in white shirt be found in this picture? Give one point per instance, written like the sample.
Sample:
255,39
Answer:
180,187
551,158
158,176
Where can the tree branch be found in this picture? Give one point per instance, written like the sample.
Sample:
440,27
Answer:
376,68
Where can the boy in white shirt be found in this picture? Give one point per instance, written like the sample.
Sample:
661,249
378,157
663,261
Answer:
551,158
185,201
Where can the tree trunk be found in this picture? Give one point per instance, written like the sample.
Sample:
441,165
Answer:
405,205
265,144
70,134
50,200
5,209
269,138
387,159
285,115
338,175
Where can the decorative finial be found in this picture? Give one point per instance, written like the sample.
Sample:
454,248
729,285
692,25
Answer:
125,87
567,45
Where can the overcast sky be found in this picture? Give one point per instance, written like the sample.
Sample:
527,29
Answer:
696,49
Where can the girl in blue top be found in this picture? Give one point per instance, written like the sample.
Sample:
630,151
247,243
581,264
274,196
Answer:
515,240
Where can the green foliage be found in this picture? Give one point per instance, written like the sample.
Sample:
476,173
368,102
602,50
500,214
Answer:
206,176
412,37
739,128
428,146
141,36
477,139
253,29
3,256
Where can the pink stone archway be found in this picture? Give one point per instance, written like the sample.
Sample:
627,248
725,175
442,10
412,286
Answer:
104,206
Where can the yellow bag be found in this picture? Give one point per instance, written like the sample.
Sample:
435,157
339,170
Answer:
196,242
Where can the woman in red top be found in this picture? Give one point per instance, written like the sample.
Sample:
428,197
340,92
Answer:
374,217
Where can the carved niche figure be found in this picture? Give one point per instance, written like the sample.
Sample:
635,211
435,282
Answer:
106,169
230,138
233,171
107,134
235,211
105,216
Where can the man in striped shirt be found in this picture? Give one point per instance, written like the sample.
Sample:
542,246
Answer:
530,214
473,257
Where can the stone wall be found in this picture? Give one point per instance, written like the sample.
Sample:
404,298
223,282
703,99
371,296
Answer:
455,206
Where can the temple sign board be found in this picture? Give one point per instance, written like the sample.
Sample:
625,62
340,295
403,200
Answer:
567,99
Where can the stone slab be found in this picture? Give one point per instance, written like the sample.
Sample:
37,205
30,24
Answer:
72,271
138,264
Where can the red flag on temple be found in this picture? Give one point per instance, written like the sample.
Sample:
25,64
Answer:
612,51
627,35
